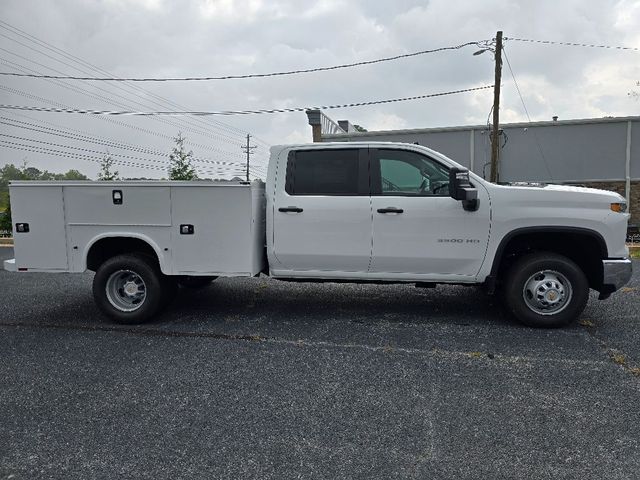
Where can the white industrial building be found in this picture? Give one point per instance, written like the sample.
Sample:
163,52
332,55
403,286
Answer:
599,152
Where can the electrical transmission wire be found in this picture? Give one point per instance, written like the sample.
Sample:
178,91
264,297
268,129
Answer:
236,112
113,102
217,168
178,124
57,153
103,142
27,95
80,156
79,61
77,137
478,43
134,127
571,44
92,95
526,111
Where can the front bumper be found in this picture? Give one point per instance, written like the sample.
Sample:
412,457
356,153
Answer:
615,274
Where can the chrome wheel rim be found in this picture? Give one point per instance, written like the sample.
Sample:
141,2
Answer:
547,292
126,290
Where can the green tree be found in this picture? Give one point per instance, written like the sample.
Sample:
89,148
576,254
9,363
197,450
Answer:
106,173
181,167
31,173
5,212
10,172
74,174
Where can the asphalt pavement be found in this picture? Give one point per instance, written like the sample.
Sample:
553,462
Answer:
254,378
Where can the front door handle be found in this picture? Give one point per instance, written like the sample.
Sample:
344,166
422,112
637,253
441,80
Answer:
290,209
390,210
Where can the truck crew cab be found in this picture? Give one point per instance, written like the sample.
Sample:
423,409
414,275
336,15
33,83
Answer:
362,212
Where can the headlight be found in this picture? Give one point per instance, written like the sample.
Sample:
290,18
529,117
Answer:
619,207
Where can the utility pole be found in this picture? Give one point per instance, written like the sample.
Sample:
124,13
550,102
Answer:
495,133
248,150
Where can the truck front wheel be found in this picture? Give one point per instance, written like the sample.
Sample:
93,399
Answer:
129,288
546,290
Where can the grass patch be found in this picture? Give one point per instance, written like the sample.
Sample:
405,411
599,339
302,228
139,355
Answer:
619,359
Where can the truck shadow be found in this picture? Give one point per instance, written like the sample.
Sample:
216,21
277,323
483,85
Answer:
267,300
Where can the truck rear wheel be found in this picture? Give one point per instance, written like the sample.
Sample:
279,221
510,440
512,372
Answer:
546,290
130,288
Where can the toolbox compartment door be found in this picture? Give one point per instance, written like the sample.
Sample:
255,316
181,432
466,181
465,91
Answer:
44,246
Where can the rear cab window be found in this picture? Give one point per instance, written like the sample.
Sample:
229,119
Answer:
340,172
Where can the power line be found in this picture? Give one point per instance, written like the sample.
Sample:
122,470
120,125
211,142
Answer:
111,120
97,96
77,137
235,112
80,156
21,33
479,43
101,142
571,44
42,150
526,111
220,168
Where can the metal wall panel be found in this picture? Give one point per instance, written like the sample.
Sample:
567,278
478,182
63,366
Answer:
635,150
565,152
551,151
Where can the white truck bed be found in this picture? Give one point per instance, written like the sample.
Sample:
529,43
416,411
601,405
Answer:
66,218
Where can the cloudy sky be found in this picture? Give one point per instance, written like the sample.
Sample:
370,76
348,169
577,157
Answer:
171,38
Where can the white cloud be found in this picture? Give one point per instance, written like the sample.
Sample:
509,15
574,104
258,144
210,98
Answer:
386,121
217,37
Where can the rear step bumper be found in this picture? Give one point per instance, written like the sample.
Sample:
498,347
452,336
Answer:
10,265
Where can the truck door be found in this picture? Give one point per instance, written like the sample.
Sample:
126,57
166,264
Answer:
322,212
418,228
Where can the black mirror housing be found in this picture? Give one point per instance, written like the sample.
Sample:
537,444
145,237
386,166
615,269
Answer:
460,188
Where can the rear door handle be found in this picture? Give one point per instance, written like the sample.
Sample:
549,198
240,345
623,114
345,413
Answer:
390,210
290,209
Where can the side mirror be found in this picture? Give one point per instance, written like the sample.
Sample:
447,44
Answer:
460,188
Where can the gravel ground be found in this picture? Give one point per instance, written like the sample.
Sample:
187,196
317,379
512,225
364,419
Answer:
253,378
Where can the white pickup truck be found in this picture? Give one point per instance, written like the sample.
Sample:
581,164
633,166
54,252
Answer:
347,212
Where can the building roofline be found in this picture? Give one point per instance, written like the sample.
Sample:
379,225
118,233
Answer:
581,121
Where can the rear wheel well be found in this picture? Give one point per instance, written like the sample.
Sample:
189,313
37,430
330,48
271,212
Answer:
107,248
585,249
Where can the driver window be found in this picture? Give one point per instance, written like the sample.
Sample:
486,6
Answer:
411,174
399,176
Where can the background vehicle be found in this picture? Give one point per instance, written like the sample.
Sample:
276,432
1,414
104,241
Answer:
365,212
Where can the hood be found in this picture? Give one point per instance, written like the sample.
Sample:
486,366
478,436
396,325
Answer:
556,190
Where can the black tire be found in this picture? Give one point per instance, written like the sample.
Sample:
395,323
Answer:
546,290
113,287
195,283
